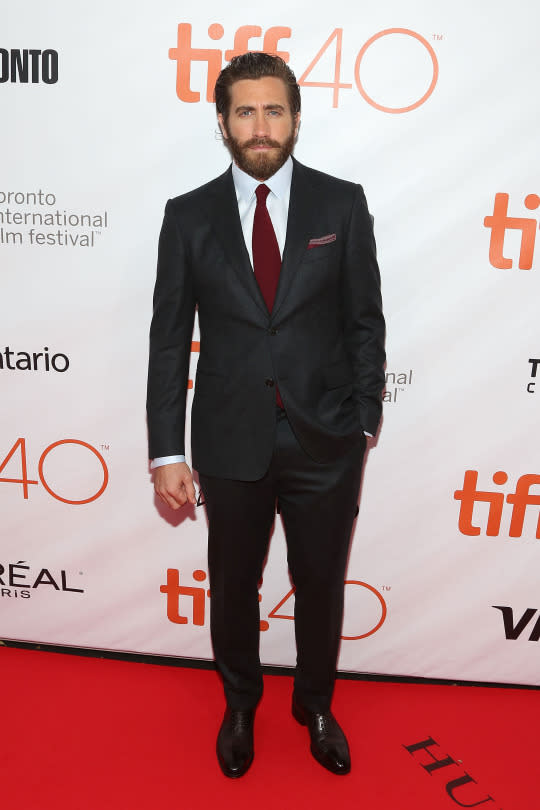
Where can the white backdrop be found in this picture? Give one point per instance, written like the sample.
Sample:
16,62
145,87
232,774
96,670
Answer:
436,114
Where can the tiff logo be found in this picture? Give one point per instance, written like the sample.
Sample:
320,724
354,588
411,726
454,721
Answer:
513,631
196,596
500,223
186,604
469,495
184,54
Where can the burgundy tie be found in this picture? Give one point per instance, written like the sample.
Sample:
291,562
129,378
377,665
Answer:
266,256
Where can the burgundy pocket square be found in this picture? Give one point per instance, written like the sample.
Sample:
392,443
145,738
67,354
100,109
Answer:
322,240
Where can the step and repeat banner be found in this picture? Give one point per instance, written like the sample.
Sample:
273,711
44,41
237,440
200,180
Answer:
433,108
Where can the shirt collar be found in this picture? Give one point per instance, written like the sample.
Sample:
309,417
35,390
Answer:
279,184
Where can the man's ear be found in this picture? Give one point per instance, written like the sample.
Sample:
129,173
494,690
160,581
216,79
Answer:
222,126
296,124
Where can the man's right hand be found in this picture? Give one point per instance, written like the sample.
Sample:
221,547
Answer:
174,484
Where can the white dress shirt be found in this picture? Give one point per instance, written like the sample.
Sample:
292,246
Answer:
277,202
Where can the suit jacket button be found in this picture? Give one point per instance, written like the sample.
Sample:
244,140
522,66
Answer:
269,382
272,332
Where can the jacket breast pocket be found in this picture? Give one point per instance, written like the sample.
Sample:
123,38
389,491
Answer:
329,252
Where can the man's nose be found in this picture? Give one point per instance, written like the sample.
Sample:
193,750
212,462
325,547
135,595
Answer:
260,124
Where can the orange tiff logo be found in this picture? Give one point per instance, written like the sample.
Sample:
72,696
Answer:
190,599
500,223
520,499
184,54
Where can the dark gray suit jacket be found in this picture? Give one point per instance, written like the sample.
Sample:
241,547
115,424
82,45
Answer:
322,343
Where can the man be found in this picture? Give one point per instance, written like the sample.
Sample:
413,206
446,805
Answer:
280,261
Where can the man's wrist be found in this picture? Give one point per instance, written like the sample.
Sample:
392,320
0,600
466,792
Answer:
162,460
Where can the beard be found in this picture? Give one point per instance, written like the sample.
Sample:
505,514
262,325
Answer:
260,165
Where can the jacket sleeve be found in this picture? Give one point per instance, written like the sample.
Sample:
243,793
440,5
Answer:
170,342
364,322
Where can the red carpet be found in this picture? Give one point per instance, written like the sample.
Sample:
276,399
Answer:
82,733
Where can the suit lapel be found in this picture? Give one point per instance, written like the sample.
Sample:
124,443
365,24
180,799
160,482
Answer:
303,206
225,219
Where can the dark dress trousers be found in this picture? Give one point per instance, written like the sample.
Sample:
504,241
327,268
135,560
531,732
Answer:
322,344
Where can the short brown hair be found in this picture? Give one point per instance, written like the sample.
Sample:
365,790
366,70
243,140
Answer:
254,65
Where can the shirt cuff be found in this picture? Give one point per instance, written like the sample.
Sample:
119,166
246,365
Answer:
162,460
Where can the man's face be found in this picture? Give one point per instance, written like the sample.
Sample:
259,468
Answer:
261,129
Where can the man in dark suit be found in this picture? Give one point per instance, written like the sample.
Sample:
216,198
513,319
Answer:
280,262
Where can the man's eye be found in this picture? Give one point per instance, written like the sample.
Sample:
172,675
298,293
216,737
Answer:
245,113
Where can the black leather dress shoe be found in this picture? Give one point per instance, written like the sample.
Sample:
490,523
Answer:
235,742
328,742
